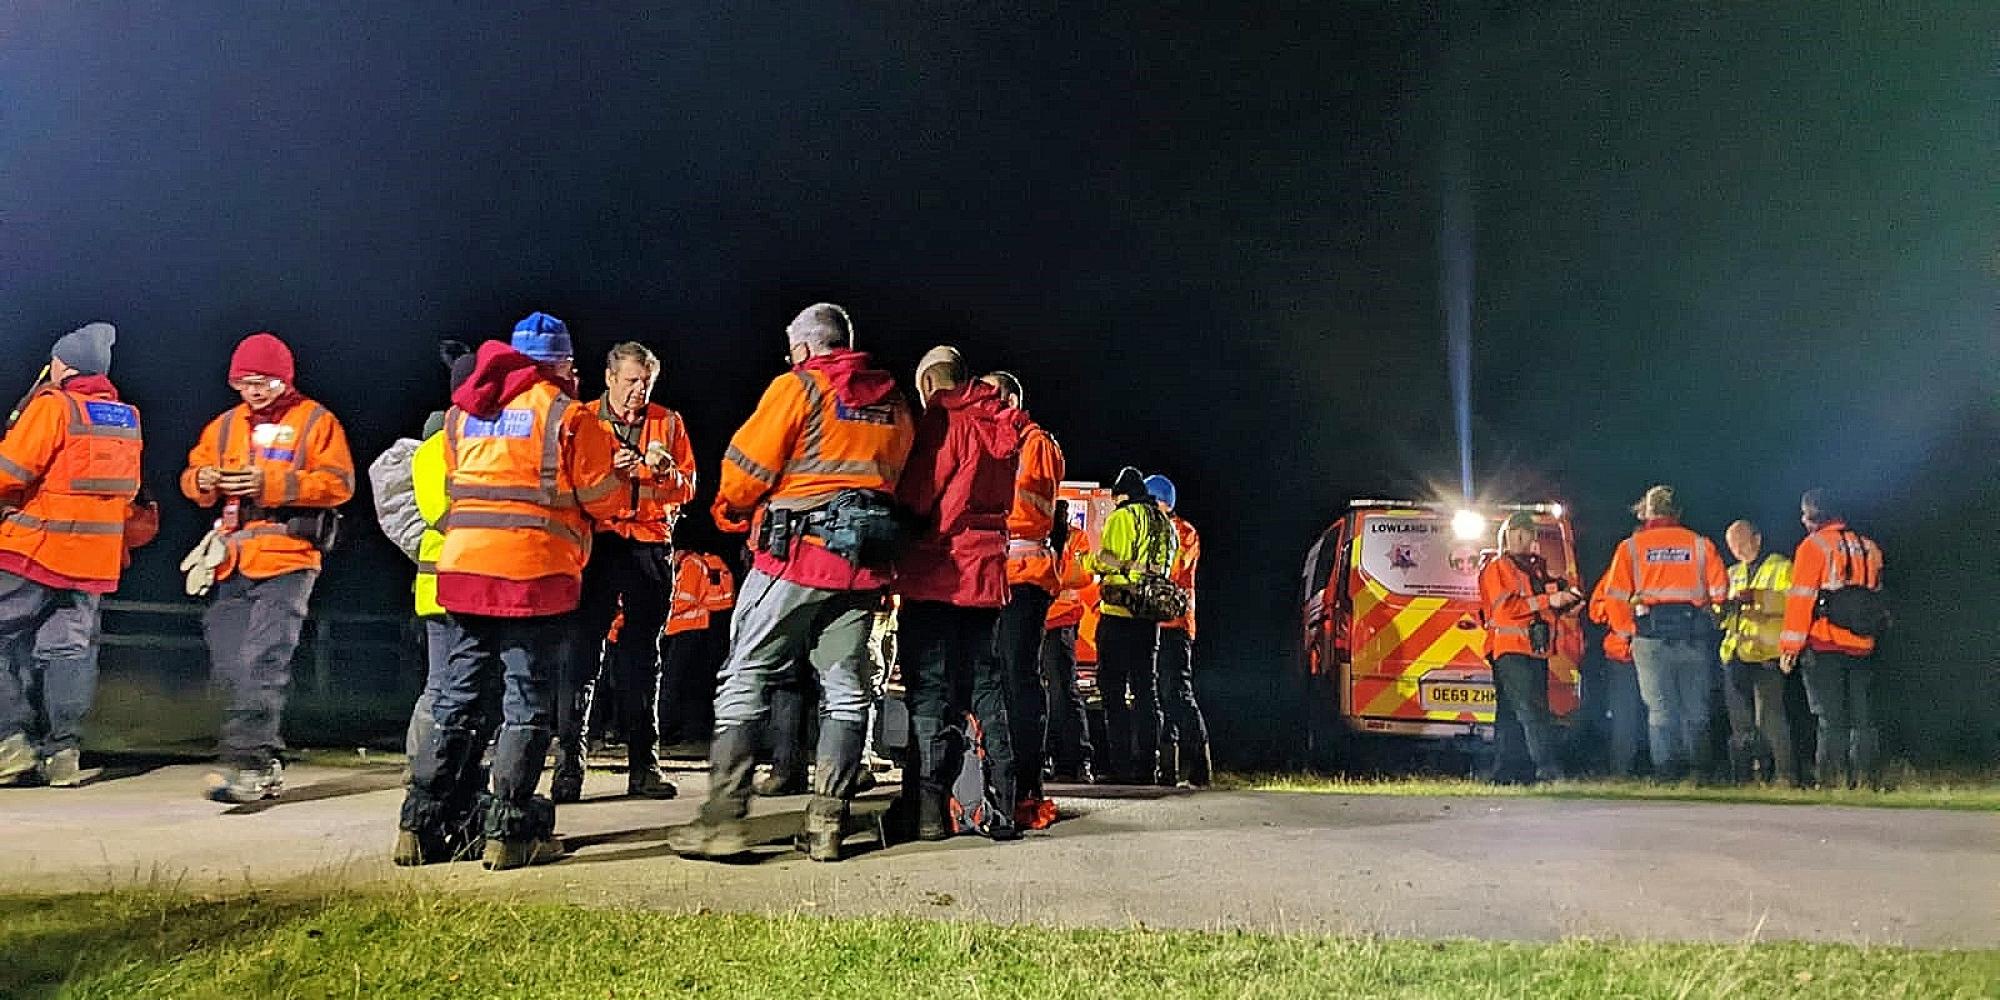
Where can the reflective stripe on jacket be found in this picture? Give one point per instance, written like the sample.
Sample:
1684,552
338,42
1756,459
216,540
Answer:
1509,604
70,466
1616,617
1667,564
652,498
1750,633
1828,559
690,602
1029,560
828,425
720,591
524,487
303,460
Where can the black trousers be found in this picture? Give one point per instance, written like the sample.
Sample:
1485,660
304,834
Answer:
636,578
1017,652
1186,730
1066,743
945,673
1128,668
688,668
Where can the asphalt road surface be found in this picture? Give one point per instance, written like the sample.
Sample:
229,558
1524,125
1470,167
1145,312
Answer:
1512,868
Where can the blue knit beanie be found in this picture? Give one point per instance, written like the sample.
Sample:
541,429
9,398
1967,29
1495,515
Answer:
1162,490
543,337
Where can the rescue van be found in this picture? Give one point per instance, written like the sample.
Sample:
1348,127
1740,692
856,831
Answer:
1392,642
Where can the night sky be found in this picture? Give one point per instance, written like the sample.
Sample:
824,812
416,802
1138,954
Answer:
1742,248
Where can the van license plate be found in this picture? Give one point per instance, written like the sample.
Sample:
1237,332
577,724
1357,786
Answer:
1458,697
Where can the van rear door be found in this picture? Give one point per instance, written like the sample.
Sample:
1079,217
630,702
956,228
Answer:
1417,663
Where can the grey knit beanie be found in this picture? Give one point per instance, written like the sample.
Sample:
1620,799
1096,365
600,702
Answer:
87,348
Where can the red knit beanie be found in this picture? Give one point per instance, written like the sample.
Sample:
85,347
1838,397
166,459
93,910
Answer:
262,354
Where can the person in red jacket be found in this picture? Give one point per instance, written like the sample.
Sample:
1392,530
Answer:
1836,661
952,576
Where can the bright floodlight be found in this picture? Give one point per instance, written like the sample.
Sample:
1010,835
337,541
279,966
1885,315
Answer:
1556,511
1468,525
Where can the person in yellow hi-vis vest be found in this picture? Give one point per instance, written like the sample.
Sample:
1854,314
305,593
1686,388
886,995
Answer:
1753,687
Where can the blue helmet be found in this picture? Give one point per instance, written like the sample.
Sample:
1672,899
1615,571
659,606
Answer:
1162,490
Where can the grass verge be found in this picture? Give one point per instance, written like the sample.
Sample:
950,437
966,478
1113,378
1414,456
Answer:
1913,790
157,945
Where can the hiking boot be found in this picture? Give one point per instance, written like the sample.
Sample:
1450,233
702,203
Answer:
650,784
414,849
246,784
17,760
932,824
566,782
64,769
503,855
712,838
776,785
825,828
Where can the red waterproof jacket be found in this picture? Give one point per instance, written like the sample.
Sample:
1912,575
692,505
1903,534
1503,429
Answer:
960,485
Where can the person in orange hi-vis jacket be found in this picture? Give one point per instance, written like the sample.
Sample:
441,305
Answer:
1031,587
1836,661
274,468
703,588
69,473
630,572
1066,746
811,475
1675,582
1621,680
1184,738
530,472
1520,602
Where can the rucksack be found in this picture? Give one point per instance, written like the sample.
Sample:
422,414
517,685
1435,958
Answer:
395,492
1856,607
972,806
1154,596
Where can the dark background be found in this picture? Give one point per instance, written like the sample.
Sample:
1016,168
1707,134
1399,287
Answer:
1742,248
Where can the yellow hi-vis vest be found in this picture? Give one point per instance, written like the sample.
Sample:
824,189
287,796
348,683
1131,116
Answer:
427,479
1750,633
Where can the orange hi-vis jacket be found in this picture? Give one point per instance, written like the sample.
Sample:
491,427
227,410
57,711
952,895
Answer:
1186,558
828,425
1041,471
1067,608
525,486
1828,559
70,468
652,498
703,585
1616,617
1086,627
304,461
1511,603
1664,563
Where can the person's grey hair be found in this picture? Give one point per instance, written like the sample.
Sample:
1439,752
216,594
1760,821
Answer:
632,350
821,326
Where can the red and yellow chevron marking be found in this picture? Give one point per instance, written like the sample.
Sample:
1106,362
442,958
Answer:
1398,640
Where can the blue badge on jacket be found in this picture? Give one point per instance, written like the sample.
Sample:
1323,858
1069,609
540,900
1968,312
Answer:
111,414
509,424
